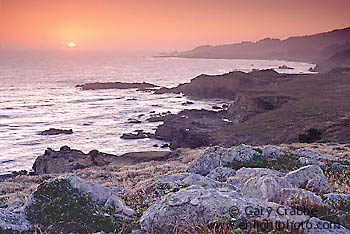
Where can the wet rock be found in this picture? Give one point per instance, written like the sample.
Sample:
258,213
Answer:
11,222
221,173
165,146
134,121
140,134
309,177
55,131
216,107
187,103
285,67
116,85
156,119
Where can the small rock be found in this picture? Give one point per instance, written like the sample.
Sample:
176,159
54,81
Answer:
55,131
134,121
139,135
165,146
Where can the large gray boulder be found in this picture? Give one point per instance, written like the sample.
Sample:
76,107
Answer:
310,157
195,205
260,183
12,222
221,173
296,197
309,177
217,156
97,193
272,152
207,161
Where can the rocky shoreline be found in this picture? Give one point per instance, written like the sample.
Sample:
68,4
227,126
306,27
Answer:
268,108
186,191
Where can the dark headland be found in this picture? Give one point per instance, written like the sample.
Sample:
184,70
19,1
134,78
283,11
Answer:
328,49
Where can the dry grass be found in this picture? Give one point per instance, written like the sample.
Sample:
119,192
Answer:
17,190
129,177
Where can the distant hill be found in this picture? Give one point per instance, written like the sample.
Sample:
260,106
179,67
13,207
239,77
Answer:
311,48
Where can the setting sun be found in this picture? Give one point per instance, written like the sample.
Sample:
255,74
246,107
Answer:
72,45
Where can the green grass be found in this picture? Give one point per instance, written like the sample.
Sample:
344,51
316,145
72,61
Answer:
284,163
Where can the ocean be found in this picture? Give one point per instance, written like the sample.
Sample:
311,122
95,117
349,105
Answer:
38,92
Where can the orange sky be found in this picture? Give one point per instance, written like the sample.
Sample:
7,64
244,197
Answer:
162,24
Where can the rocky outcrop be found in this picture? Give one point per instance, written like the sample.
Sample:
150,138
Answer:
116,85
67,159
268,108
55,131
182,131
223,86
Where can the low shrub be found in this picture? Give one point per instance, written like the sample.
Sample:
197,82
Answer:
60,208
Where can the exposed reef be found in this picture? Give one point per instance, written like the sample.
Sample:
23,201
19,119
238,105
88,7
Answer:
116,85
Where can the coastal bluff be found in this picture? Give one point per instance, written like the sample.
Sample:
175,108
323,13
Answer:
266,108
